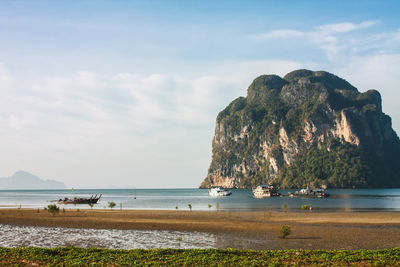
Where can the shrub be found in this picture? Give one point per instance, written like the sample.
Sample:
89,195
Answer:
305,207
284,231
53,209
111,204
190,206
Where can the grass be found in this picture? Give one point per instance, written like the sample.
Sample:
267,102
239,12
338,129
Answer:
72,256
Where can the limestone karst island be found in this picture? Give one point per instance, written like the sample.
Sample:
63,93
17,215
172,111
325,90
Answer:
307,128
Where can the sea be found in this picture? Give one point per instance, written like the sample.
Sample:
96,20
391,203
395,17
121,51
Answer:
348,200
172,199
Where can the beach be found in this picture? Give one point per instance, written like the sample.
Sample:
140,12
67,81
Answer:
246,230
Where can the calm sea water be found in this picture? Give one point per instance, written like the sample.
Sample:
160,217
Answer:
241,199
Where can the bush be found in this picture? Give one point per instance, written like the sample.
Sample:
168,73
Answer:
53,209
305,207
111,204
284,231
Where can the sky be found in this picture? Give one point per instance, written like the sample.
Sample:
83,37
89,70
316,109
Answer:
125,94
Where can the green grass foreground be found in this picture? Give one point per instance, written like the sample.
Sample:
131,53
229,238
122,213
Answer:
73,256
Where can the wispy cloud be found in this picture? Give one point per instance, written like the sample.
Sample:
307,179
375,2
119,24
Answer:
282,33
330,38
116,120
344,27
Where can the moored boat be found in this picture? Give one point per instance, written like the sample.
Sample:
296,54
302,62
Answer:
262,191
92,200
310,193
218,192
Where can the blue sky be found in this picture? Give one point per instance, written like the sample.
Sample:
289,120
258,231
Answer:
125,93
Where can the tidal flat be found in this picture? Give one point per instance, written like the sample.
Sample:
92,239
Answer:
221,230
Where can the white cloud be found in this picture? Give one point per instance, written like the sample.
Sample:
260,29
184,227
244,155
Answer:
282,33
335,40
343,27
326,29
85,127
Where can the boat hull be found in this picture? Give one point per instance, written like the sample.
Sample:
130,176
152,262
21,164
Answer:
91,200
264,191
219,192
266,195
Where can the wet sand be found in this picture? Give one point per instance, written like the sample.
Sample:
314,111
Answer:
254,230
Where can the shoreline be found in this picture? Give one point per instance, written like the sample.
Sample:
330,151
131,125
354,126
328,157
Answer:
310,230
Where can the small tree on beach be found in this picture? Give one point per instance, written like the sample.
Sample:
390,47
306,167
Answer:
284,231
285,207
91,205
305,207
111,204
209,207
53,209
190,206
176,207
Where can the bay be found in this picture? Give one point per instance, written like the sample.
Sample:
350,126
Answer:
240,200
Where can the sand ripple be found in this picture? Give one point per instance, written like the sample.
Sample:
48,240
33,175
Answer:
49,237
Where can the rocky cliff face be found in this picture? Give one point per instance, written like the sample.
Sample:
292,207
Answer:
305,128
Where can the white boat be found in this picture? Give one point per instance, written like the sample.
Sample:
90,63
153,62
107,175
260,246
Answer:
311,193
218,192
265,191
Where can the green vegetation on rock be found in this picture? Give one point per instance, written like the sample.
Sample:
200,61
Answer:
306,128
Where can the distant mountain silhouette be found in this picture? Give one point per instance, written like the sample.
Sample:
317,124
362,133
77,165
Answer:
26,180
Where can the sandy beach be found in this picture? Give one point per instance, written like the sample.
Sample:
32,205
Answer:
254,230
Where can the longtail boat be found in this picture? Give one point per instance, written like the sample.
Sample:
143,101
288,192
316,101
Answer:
76,200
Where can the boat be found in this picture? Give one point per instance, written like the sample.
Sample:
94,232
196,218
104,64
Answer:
218,192
262,191
92,200
310,193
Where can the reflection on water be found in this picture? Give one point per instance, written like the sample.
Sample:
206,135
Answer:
50,237
241,199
